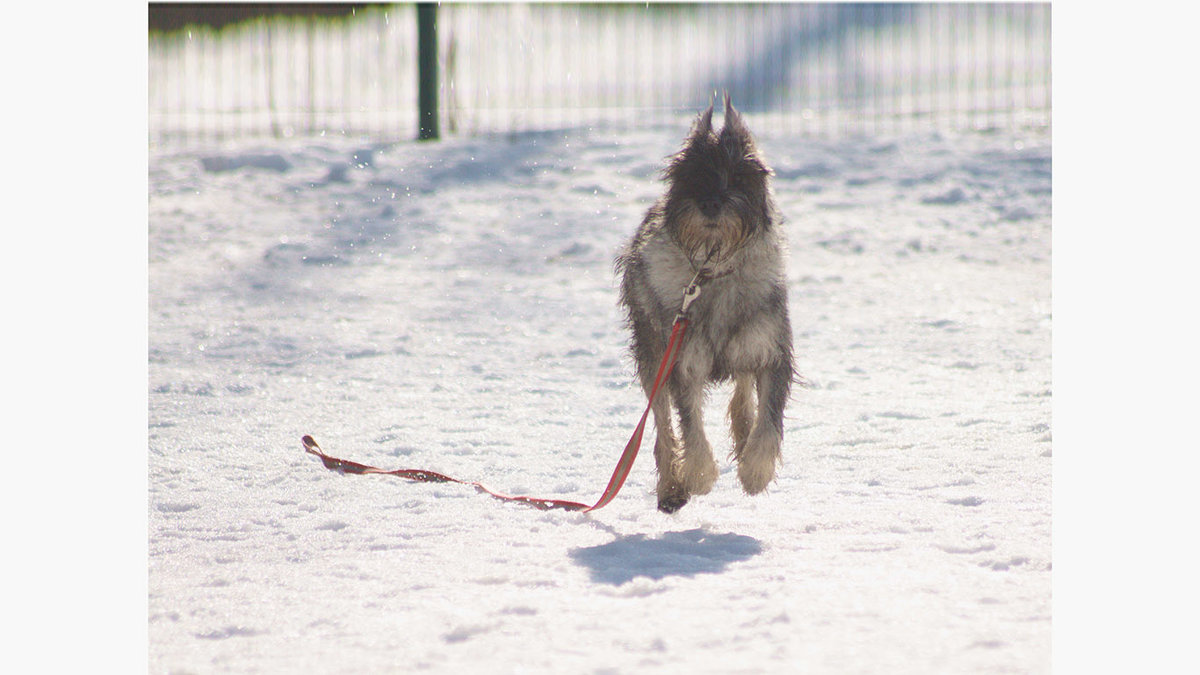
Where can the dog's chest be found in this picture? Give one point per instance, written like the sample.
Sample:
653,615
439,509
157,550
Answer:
732,327
735,327
668,273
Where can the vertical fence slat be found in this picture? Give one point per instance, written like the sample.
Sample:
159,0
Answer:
427,56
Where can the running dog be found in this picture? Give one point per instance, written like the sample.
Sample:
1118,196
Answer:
716,224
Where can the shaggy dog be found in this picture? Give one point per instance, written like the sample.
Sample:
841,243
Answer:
717,225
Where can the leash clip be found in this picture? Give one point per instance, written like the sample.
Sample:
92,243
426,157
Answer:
689,296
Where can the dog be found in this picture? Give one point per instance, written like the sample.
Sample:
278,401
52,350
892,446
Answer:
717,224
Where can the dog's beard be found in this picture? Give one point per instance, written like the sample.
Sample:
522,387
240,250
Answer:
708,240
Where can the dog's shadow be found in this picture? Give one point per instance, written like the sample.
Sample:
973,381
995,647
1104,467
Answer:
684,554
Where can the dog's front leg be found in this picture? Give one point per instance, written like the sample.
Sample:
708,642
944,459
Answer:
670,490
699,470
741,411
756,462
648,349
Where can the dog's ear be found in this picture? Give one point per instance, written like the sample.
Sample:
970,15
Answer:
733,119
703,126
737,140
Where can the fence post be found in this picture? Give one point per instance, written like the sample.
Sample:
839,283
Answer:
427,75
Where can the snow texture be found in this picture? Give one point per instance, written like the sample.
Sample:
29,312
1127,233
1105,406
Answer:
452,307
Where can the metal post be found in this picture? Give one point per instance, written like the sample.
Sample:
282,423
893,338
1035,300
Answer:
427,74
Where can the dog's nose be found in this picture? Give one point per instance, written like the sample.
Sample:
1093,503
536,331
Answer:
710,207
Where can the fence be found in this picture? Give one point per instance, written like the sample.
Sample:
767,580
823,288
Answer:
808,68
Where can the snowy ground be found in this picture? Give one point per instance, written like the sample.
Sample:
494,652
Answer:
452,307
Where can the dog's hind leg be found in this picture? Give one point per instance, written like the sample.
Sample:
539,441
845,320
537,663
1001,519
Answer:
756,462
741,412
699,470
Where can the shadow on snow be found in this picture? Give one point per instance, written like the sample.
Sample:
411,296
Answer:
684,554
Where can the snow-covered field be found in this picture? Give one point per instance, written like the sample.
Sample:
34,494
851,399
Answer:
452,306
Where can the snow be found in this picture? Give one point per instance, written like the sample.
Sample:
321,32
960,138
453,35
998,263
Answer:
452,307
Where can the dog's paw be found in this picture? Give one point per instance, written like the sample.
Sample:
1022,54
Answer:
699,474
755,479
671,493
756,464
671,496
671,504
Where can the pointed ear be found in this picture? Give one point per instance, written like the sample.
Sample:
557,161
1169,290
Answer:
733,120
703,125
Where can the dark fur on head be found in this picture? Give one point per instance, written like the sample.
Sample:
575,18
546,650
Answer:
718,194
716,222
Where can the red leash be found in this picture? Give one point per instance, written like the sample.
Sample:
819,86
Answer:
624,465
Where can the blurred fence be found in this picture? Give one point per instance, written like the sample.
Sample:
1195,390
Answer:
807,68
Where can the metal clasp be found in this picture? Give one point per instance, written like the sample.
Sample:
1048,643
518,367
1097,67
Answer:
689,296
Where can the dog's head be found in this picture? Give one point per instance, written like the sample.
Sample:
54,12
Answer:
718,195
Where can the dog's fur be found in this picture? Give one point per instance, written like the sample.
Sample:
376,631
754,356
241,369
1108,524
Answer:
717,218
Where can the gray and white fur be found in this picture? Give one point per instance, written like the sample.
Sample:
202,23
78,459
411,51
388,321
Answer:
717,219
